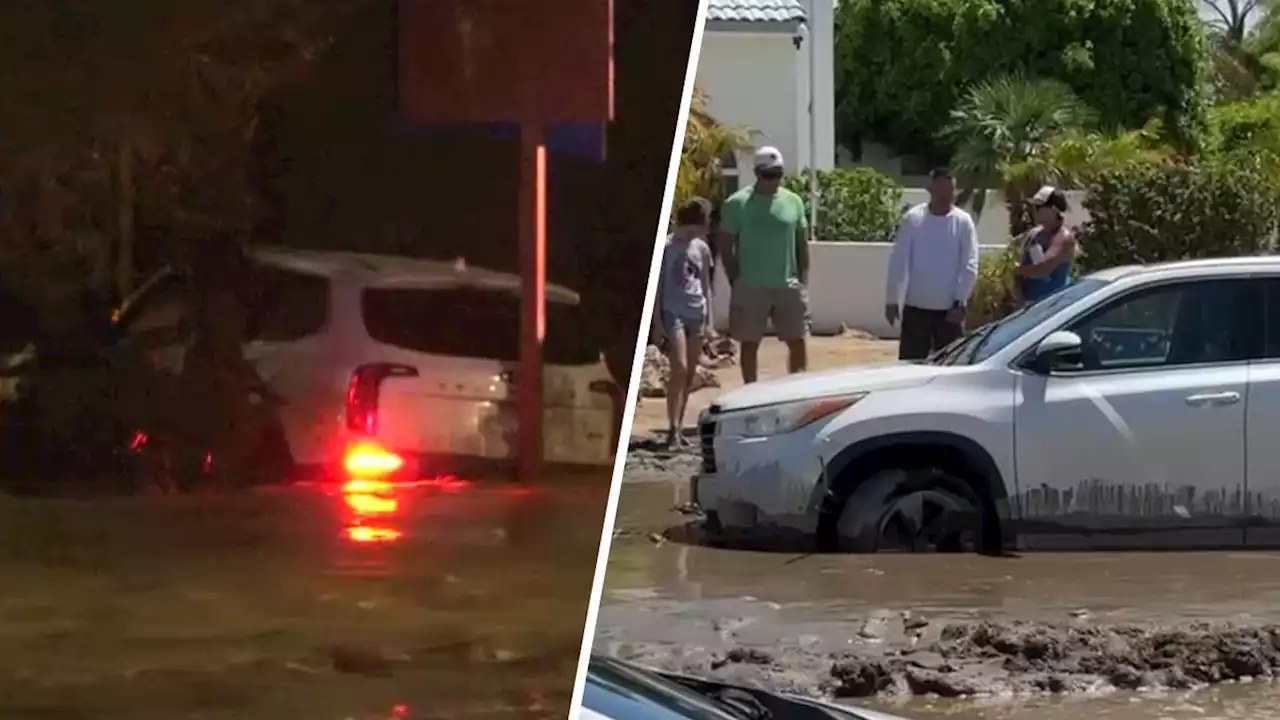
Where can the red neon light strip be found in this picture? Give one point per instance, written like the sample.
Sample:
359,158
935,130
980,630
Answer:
540,238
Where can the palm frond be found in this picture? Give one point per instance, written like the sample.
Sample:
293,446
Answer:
707,144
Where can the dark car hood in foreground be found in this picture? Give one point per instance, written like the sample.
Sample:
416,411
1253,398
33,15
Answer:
644,691
781,707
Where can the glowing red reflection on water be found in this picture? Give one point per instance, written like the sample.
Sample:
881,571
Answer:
371,534
370,502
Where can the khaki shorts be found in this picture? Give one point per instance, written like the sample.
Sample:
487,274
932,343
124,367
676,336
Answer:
751,309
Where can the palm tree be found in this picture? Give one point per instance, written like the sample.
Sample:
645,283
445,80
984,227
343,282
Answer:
1263,42
1008,121
707,144
1245,37
1067,158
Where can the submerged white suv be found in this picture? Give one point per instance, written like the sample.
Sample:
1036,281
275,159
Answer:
404,363
1138,407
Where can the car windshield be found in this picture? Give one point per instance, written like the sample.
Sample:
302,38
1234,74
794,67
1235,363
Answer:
620,690
985,341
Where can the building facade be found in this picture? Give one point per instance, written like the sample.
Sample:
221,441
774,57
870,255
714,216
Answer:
759,60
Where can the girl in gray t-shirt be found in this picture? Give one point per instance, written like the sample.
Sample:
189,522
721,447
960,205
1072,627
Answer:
683,310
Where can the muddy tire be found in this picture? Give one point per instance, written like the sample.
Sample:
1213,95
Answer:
896,510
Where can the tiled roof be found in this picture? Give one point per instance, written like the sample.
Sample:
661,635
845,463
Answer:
755,10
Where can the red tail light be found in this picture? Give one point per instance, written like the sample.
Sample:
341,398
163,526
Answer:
362,393
367,460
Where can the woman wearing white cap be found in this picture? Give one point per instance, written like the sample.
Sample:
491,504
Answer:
1047,249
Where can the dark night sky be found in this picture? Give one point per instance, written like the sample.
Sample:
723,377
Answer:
347,173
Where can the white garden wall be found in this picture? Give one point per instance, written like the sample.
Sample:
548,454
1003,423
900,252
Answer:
846,287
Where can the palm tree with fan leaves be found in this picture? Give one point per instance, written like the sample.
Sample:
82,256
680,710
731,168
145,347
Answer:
1244,37
1016,134
1008,120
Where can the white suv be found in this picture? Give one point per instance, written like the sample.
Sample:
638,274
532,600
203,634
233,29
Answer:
402,362
1138,407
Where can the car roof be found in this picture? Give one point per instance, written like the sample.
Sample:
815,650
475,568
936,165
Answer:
1184,268
394,271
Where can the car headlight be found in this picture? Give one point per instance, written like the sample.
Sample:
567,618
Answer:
783,418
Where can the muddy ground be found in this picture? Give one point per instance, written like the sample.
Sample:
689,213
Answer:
1155,635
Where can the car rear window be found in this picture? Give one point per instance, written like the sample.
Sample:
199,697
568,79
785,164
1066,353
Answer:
471,322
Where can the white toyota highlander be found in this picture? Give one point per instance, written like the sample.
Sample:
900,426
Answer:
1137,407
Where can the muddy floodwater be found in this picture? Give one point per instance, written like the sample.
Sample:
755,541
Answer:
440,600
1050,636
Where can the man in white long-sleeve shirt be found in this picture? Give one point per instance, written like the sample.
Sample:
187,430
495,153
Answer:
932,270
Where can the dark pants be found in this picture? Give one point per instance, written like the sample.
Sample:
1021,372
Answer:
924,331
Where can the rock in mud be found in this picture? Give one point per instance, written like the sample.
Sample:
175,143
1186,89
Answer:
942,684
748,656
857,678
656,370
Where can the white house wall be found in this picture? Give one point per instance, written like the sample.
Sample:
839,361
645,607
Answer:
821,14
751,81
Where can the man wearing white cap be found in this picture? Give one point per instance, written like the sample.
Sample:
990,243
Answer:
767,261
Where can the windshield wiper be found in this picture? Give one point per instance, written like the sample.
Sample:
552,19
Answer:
944,355
981,339
739,703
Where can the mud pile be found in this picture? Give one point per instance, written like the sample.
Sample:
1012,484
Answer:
649,459
717,352
991,658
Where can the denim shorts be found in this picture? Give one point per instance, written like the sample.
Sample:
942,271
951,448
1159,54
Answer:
689,325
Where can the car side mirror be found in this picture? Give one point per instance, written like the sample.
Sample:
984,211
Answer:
1061,347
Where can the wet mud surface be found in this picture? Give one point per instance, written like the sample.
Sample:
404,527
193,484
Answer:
441,600
1111,635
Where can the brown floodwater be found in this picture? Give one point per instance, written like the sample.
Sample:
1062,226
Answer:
682,595
441,599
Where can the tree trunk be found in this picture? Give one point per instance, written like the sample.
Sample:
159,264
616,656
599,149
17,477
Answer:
1020,219
126,208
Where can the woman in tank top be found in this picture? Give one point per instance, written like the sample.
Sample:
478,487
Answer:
1048,249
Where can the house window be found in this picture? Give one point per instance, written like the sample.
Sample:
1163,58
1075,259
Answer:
730,179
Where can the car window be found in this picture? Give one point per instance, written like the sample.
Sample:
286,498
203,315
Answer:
471,323
1188,323
1271,318
287,305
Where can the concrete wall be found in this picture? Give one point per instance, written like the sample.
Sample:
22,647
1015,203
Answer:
760,81
846,286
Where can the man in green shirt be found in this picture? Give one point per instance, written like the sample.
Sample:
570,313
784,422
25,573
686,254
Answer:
766,257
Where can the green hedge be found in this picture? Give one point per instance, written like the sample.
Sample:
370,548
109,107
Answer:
901,65
1156,212
854,204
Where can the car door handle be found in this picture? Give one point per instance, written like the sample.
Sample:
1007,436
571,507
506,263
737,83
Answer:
1213,399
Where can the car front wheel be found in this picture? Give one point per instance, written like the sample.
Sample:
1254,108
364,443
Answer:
897,510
